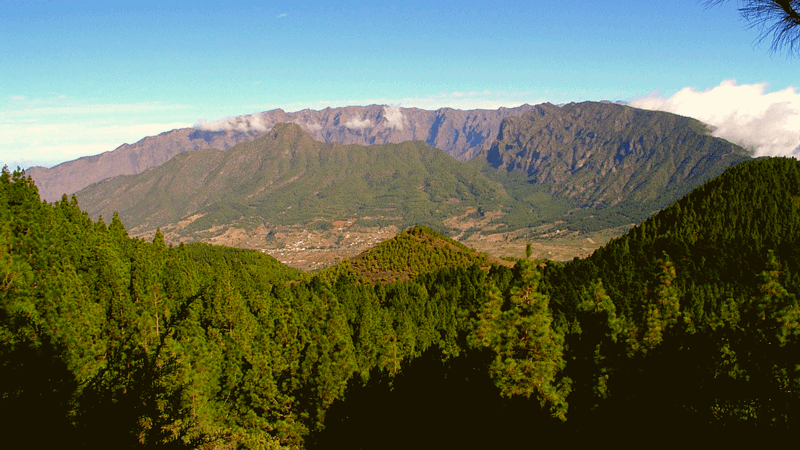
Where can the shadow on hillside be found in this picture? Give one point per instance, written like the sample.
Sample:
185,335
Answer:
455,404
434,405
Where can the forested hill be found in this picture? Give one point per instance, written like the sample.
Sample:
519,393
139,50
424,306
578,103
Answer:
688,323
415,252
288,178
700,300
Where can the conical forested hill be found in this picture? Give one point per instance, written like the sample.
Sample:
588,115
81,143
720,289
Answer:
286,177
418,251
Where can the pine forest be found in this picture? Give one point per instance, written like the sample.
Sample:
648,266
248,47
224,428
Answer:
688,325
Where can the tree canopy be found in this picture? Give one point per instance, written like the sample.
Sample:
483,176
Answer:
691,321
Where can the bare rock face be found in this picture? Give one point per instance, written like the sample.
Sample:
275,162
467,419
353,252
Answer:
462,134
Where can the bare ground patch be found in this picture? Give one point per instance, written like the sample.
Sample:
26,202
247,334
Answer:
308,249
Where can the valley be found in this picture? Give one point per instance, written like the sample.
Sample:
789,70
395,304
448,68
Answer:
111,338
399,225
309,248
565,179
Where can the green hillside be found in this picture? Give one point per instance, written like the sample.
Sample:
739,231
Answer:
287,178
581,167
415,252
688,325
612,164
700,300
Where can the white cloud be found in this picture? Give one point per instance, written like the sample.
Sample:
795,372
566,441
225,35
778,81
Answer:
251,122
394,117
51,155
357,124
766,122
52,143
61,106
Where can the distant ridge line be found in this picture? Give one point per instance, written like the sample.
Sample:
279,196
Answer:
460,133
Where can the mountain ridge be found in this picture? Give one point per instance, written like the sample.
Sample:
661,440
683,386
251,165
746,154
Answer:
268,193
285,177
604,154
461,133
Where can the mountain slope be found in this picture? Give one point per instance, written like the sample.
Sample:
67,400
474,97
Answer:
579,168
600,154
287,178
416,251
459,133
152,151
700,300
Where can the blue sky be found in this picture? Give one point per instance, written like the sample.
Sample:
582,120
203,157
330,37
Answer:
79,78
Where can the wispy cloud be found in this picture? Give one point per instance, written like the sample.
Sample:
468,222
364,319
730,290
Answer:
392,112
280,16
245,123
57,106
357,124
766,122
53,130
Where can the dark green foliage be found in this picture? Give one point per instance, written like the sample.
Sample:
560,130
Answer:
145,344
700,299
691,320
529,353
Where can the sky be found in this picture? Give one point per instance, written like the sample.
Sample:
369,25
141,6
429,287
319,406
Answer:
84,77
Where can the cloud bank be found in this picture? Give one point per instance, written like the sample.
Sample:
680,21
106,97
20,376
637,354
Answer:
392,115
768,123
486,99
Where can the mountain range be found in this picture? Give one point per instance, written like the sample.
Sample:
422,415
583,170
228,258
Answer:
457,132
288,178
587,166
